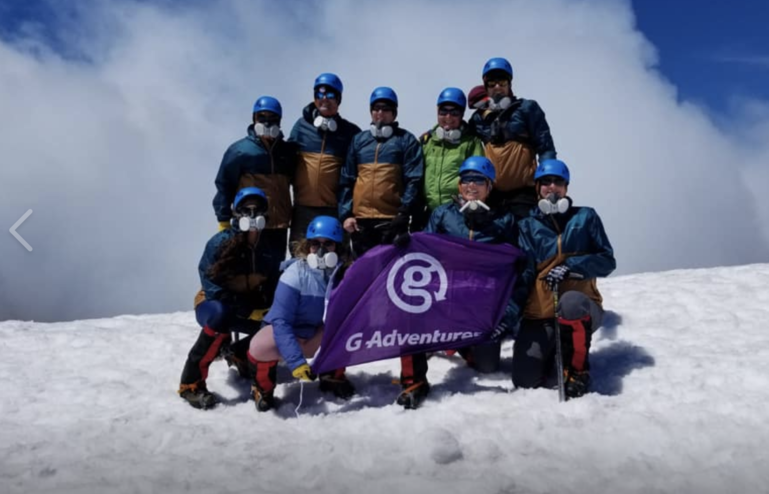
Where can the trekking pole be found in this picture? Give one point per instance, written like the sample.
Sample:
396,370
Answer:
558,349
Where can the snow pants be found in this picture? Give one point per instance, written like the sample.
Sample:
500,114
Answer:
218,320
534,348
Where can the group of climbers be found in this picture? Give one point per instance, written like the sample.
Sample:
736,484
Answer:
492,179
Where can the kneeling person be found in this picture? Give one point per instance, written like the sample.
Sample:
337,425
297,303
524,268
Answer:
295,322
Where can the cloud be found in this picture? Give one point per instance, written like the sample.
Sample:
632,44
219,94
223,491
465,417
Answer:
113,135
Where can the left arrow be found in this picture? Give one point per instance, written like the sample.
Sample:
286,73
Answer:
16,234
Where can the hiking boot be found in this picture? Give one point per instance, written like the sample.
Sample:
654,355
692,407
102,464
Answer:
265,401
197,395
413,394
576,383
337,384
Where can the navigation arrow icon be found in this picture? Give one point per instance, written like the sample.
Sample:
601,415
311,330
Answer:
16,234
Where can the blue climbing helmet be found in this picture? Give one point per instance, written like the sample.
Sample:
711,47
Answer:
270,104
247,192
498,63
452,95
479,164
383,93
552,167
325,227
330,80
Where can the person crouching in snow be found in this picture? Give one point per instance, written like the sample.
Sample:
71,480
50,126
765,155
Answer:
239,276
467,216
295,322
567,249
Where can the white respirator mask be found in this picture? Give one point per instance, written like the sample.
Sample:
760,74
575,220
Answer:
552,204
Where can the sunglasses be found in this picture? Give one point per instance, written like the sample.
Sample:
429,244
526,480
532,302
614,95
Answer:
472,179
267,118
454,112
547,181
318,244
382,108
325,95
497,82
251,211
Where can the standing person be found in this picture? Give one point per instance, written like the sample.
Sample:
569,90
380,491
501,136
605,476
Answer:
261,159
295,322
515,132
381,178
445,147
239,275
568,249
323,138
467,216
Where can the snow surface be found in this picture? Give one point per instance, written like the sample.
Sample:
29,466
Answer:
680,405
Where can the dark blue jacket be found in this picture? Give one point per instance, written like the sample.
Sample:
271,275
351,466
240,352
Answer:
248,163
523,121
575,238
321,156
253,284
381,177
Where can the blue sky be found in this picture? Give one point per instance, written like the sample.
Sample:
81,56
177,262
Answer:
711,50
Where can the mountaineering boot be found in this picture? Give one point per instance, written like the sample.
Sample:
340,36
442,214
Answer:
263,387
197,395
577,383
336,382
413,394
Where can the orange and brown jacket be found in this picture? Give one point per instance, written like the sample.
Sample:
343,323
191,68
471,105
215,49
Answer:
575,238
249,163
321,156
381,178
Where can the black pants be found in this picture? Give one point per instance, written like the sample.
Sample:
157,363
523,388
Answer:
371,232
534,348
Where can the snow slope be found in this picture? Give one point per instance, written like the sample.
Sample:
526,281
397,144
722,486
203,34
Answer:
680,405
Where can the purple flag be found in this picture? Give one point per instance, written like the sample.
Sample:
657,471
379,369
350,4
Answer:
440,293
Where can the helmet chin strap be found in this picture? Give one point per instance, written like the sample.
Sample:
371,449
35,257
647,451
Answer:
552,204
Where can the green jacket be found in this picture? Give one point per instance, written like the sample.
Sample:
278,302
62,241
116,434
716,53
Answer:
442,162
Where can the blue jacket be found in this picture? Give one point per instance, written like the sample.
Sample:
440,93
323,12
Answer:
297,310
513,139
381,177
575,238
248,163
494,227
253,283
321,156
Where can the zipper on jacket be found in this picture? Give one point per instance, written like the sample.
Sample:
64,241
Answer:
373,173
320,160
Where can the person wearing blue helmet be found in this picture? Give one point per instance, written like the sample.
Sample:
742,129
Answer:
445,147
238,274
567,250
380,183
294,325
323,138
515,133
467,216
261,159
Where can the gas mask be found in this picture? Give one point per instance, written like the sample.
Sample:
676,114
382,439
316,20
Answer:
267,130
381,131
451,136
250,219
554,205
322,259
498,103
324,123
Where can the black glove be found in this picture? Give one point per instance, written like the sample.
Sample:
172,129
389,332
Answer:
399,224
402,240
500,331
556,276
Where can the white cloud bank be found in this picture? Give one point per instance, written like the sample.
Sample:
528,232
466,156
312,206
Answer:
115,146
